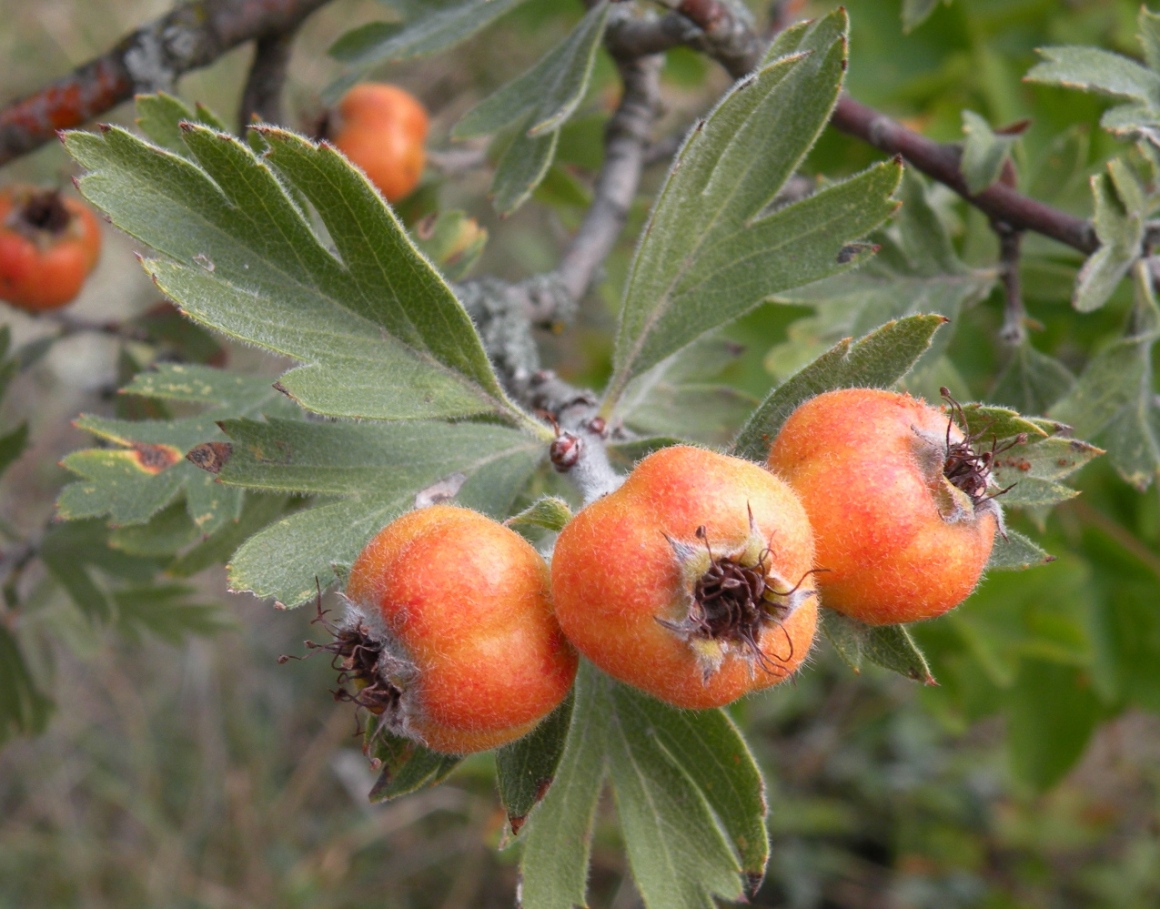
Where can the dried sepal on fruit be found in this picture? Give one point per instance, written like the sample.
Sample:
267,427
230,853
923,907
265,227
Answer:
450,637
901,500
49,243
691,581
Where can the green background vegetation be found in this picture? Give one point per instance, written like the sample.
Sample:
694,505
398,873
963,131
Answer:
183,770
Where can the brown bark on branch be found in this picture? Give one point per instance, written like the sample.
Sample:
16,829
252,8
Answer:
152,58
999,202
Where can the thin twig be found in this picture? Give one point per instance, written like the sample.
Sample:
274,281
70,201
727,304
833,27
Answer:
262,95
998,202
1014,330
505,313
626,138
150,59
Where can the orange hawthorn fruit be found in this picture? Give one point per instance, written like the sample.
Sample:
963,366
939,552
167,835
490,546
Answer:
49,243
382,128
451,638
692,581
897,496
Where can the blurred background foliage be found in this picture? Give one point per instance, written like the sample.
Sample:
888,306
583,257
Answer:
181,766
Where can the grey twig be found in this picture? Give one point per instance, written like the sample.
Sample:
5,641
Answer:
262,95
506,313
1014,330
626,139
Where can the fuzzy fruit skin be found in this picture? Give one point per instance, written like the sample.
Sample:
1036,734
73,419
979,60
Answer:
43,269
382,128
867,465
614,572
467,602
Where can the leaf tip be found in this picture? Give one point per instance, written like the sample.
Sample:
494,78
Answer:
210,456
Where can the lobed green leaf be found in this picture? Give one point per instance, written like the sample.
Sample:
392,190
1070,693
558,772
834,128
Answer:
677,851
547,94
1032,382
679,398
381,467
889,646
380,332
876,361
916,271
430,26
1014,551
711,249
404,765
711,751
147,470
1113,399
984,152
1119,225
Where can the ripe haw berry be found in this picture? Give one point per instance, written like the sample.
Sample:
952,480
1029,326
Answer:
48,245
382,128
692,580
898,499
450,637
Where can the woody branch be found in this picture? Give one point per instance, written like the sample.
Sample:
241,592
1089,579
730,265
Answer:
152,58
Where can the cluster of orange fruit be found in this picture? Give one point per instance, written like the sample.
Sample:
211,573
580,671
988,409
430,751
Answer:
697,581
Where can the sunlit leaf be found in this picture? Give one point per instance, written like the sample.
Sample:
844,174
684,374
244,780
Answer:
711,250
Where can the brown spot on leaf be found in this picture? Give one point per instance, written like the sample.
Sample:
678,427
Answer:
211,456
155,458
